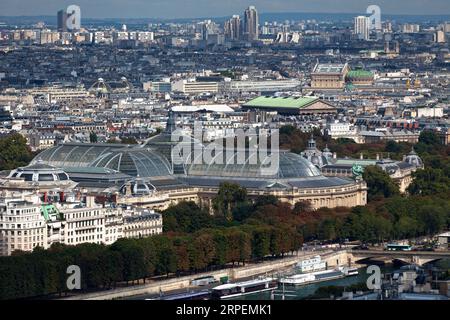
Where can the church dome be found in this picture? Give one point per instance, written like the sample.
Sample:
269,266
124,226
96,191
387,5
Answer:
413,159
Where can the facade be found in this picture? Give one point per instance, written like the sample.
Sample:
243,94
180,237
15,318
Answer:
62,21
360,78
27,223
291,105
233,29
362,27
147,223
251,24
41,141
195,87
332,166
157,86
258,86
329,76
22,227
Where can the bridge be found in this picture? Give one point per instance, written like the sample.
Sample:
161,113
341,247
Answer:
416,257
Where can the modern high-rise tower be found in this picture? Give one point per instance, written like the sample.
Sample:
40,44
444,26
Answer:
362,27
251,24
62,21
233,28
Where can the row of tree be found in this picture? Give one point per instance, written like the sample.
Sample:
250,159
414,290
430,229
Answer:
43,272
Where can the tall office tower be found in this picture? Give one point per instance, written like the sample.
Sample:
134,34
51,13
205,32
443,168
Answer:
362,27
251,24
233,28
410,28
62,21
207,28
439,36
387,48
397,46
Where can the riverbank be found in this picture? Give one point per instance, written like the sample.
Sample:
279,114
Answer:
234,274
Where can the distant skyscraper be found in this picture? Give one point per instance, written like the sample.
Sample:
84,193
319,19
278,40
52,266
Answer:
62,21
251,24
439,36
233,28
362,27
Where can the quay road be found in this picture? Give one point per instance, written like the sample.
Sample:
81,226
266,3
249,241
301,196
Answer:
184,283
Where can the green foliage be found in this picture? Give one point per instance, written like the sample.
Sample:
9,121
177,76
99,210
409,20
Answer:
379,183
14,152
128,140
430,181
186,217
429,137
93,137
229,196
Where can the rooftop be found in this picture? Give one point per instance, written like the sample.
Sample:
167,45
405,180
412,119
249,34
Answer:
281,102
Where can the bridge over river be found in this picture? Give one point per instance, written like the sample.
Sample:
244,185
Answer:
416,257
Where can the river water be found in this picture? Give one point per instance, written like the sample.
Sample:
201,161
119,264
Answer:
302,292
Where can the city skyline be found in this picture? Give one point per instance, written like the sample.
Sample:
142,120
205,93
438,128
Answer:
203,8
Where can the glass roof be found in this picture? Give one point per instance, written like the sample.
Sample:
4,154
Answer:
134,161
232,163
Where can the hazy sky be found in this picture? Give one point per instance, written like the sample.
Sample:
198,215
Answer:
214,8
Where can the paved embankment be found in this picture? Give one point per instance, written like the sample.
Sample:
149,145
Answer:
156,287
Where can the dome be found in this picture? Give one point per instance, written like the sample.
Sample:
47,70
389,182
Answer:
135,161
41,173
390,167
137,187
227,163
175,147
413,159
326,153
315,160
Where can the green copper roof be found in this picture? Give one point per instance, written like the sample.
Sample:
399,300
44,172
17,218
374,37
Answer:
359,74
281,102
48,210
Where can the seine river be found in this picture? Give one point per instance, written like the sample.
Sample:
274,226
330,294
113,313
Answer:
302,292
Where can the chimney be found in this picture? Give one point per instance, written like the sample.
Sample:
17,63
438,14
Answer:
90,201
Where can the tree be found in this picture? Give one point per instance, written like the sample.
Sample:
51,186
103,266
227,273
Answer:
228,198
202,250
181,245
132,257
128,140
186,216
93,138
165,255
429,137
260,242
302,206
14,152
429,181
379,183
393,147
